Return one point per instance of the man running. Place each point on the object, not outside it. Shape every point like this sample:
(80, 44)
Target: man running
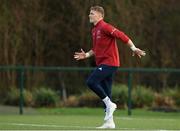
(107, 60)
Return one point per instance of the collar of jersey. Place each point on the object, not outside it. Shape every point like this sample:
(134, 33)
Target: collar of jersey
(101, 21)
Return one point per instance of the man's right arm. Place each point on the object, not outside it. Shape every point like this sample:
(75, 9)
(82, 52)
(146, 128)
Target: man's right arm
(82, 55)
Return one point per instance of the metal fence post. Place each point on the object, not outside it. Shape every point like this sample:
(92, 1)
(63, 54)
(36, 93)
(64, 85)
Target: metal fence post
(129, 91)
(21, 87)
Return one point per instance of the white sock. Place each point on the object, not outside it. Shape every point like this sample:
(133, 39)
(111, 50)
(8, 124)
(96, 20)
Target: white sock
(107, 101)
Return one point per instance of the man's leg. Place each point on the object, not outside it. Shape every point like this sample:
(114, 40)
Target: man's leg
(100, 81)
(107, 86)
(95, 79)
(100, 74)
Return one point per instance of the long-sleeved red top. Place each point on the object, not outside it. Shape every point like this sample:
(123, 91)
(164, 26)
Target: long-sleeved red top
(104, 43)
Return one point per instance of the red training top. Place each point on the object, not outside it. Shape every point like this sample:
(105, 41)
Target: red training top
(104, 43)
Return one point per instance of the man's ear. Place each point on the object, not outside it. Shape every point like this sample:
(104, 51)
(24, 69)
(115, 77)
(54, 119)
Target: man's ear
(100, 15)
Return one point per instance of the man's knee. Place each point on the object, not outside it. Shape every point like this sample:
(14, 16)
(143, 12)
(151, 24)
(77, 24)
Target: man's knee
(90, 83)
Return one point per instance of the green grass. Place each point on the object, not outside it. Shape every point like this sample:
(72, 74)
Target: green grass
(88, 119)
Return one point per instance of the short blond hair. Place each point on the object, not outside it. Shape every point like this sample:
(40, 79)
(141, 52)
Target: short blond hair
(98, 9)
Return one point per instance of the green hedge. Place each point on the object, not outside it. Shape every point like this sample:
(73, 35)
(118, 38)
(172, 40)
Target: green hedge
(42, 96)
(13, 97)
(120, 95)
(88, 98)
(142, 97)
(174, 94)
(45, 97)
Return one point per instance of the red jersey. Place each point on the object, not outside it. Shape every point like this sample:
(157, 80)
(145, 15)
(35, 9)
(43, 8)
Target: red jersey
(104, 43)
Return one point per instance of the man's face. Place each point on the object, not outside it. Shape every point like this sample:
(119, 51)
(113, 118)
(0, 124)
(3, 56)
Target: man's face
(94, 16)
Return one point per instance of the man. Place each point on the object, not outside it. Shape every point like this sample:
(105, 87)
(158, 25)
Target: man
(106, 55)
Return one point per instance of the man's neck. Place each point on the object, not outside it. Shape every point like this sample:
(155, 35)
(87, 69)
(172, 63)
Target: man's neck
(97, 21)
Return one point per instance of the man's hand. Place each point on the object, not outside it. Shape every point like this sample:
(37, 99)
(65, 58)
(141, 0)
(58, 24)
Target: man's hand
(136, 51)
(80, 55)
(139, 52)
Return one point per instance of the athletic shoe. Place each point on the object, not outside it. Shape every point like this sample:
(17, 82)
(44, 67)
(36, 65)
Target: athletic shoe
(109, 111)
(107, 124)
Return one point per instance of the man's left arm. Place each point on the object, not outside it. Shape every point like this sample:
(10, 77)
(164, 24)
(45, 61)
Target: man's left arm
(136, 51)
(110, 30)
(124, 38)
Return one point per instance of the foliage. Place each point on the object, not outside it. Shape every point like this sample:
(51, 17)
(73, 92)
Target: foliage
(120, 95)
(163, 101)
(142, 97)
(28, 98)
(72, 101)
(45, 97)
(13, 97)
(174, 94)
(89, 99)
(47, 33)
(168, 98)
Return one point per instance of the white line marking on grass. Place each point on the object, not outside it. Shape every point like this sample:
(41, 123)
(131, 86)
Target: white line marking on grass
(47, 125)
(60, 126)
(128, 118)
(66, 126)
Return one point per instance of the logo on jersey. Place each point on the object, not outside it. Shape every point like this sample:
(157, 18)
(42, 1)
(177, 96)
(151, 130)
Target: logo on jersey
(98, 34)
(100, 68)
(113, 30)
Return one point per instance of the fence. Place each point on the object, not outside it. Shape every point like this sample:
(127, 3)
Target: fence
(20, 72)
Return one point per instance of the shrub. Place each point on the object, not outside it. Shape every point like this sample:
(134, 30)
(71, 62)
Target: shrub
(176, 98)
(72, 101)
(142, 97)
(120, 95)
(89, 99)
(174, 94)
(28, 98)
(163, 101)
(45, 97)
(13, 97)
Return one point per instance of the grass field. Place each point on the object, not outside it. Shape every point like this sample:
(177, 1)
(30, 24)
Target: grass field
(88, 119)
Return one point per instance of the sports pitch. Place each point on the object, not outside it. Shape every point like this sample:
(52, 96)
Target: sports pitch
(89, 119)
